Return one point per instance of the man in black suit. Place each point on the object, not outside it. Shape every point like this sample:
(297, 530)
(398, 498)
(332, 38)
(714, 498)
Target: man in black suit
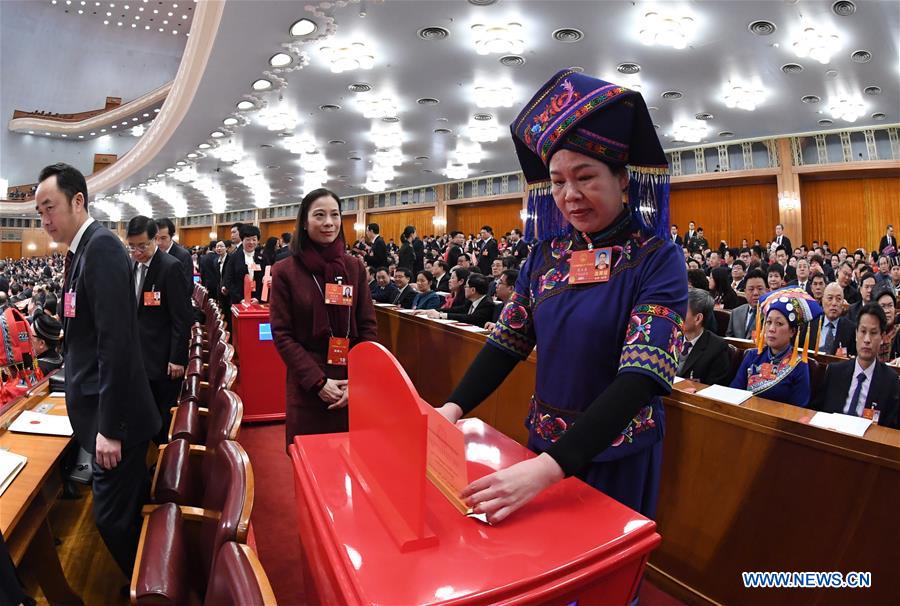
(163, 315)
(455, 248)
(864, 386)
(487, 250)
(478, 308)
(867, 284)
(212, 268)
(285, 251)
(378, 256)
(838, 336)
(518, 248)
(704, 357)
(165, 234)
(419, 250)
(4, 281)
(108, 398)
(206, 263)
(384, 291)
(246, 260)
(405, 291)
(673, 231)
(742, 322)
(781, 239)
(888, 241)
(440, 271)
(690, 235)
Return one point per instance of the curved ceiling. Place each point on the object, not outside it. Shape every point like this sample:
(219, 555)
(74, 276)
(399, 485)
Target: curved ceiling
(422, 64)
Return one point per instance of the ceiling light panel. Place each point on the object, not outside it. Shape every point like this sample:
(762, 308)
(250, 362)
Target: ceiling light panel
(484, 132)
(816, 42)
(690, 132)
(742, 95)
(493, 95)
(353, 56)
(278, 117)
(376, 106)
(666, 28)
(499, 38)
(386, 134)
(303, 27)
(846, 108)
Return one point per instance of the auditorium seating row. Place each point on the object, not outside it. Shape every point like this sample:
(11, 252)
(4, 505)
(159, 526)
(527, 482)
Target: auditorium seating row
(193, 545)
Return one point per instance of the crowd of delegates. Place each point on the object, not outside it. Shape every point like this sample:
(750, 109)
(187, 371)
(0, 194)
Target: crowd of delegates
(840, 303)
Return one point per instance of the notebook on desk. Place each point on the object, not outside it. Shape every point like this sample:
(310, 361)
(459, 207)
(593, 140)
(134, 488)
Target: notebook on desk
(40, 423)
(10, 466)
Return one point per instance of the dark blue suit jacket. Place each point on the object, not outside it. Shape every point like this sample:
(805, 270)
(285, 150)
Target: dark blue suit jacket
(164, 328)
(106, 386)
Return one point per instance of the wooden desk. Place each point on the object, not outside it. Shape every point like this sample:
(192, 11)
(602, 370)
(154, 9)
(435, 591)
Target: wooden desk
(743, 488)
(26, 502)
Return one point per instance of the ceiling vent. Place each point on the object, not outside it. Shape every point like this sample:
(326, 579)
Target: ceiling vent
(879, 116)
(761, 28)
(265, 145)
(568, 34)
(442, 131)
(843, 8)
(703, 116)
(337, 142)
(482, 2)
(354, 158)
(628, 68)
(726, 133)
(861, 56)
(359, 87)
(672, 95)
(427, 101)
(330, 107)
(434, 33)
(512, 61)
(810, 99)
(825, 122)
(872, 91)
(483, 117)
(792, 68)
(390, 119)
(422, 158)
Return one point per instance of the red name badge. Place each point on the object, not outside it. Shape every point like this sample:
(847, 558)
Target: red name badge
(152, 298)
(590, 266)
(69, 305)
(338, 349)
(765, 371)
(872, 414)
(338, 294)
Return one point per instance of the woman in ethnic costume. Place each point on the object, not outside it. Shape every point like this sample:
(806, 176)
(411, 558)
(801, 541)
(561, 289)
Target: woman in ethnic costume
(606, 349)
(775, 370)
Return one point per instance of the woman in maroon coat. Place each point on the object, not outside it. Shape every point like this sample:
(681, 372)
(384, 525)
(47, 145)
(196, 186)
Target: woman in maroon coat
(303, 325)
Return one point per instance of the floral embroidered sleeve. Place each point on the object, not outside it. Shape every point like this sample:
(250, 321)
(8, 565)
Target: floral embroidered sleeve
(514, 331)
(654, 335)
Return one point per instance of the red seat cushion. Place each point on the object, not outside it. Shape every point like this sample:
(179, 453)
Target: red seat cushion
(186, 423)
(162, 577)
(174, 481)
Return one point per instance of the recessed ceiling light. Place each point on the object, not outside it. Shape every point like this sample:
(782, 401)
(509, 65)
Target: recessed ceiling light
(303, 27)
(245, 105)
(217, 134)
(761, 28)
(181, 163)
(280, 60)
(628, 68)
(512, 61)
(568, 34)
(843, 8)
(666, 29)
(434, 33)
(204, 146)
(192, 155)
(230, 121)
(262, 84)
(792, 68)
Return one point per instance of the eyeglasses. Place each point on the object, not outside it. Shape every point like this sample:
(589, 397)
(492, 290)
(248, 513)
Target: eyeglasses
(886, 306)
(141, 247)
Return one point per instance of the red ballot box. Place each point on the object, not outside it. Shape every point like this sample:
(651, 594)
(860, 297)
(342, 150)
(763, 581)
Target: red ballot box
(261, 378)
(570, 545)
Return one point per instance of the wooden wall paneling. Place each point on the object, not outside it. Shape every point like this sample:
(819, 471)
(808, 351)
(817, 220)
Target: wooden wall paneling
(11, 250)
(224, 232)
(502, 216)
(849, 212)
(194, 236)
(391, 223)
(728, 213)
(350, 235)
(275, 229)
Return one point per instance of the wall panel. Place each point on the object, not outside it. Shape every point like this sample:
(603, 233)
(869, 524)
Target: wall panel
(850, 212)
(194, 236)
(11, 250)
(350, 235)
(392, 223)
(275, 229)
(728, 213)
(501, 216)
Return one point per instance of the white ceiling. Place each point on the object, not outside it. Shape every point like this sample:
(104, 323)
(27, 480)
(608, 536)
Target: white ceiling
(408, 68)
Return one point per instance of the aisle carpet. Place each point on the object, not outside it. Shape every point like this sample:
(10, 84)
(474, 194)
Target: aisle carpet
(274, 521)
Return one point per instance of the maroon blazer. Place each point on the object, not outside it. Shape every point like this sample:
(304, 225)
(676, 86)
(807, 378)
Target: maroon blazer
(296, 302)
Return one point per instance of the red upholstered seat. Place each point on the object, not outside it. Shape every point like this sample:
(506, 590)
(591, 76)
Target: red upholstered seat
(223, 516)
(735, 356)
(238, 579)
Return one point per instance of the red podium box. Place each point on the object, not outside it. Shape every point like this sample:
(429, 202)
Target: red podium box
(570, 545)
(262, 375)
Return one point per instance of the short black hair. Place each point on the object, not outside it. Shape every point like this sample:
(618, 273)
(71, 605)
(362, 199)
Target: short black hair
(478, 282)
(405, 271)
(286, 237)
(511, 276)
(238, 225)
(454, 233)
(427, 275)
(739, 262)
(776, 268)
(373, 227)
(782, 248)
(384, 269)
(697, 279)
(867, 276)
(754, 274)
(141, 225)
(443, 265)
(873, 309)
(69, 180)
(248, 230)
(516, 230)
(488, 229)
(166, 222)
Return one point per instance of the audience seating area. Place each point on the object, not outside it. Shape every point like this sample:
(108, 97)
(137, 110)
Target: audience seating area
(193, 545)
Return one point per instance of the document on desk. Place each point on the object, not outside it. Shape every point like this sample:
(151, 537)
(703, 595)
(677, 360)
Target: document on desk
(10, 466)
(44, 424)
(835, 421)
(57, 394)
(729, 395)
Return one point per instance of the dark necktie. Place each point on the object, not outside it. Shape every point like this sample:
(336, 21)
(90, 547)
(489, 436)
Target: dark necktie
(66, 267)
(751, 318)
(854, 401)
(685, 352)
(140, 274)
(828, 347)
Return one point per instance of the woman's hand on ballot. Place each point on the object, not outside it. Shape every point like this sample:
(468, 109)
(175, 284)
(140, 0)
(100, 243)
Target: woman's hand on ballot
(503, 492)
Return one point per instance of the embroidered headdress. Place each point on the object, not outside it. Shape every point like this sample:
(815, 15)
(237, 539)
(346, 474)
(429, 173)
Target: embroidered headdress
(601, 120)
(798, 307)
